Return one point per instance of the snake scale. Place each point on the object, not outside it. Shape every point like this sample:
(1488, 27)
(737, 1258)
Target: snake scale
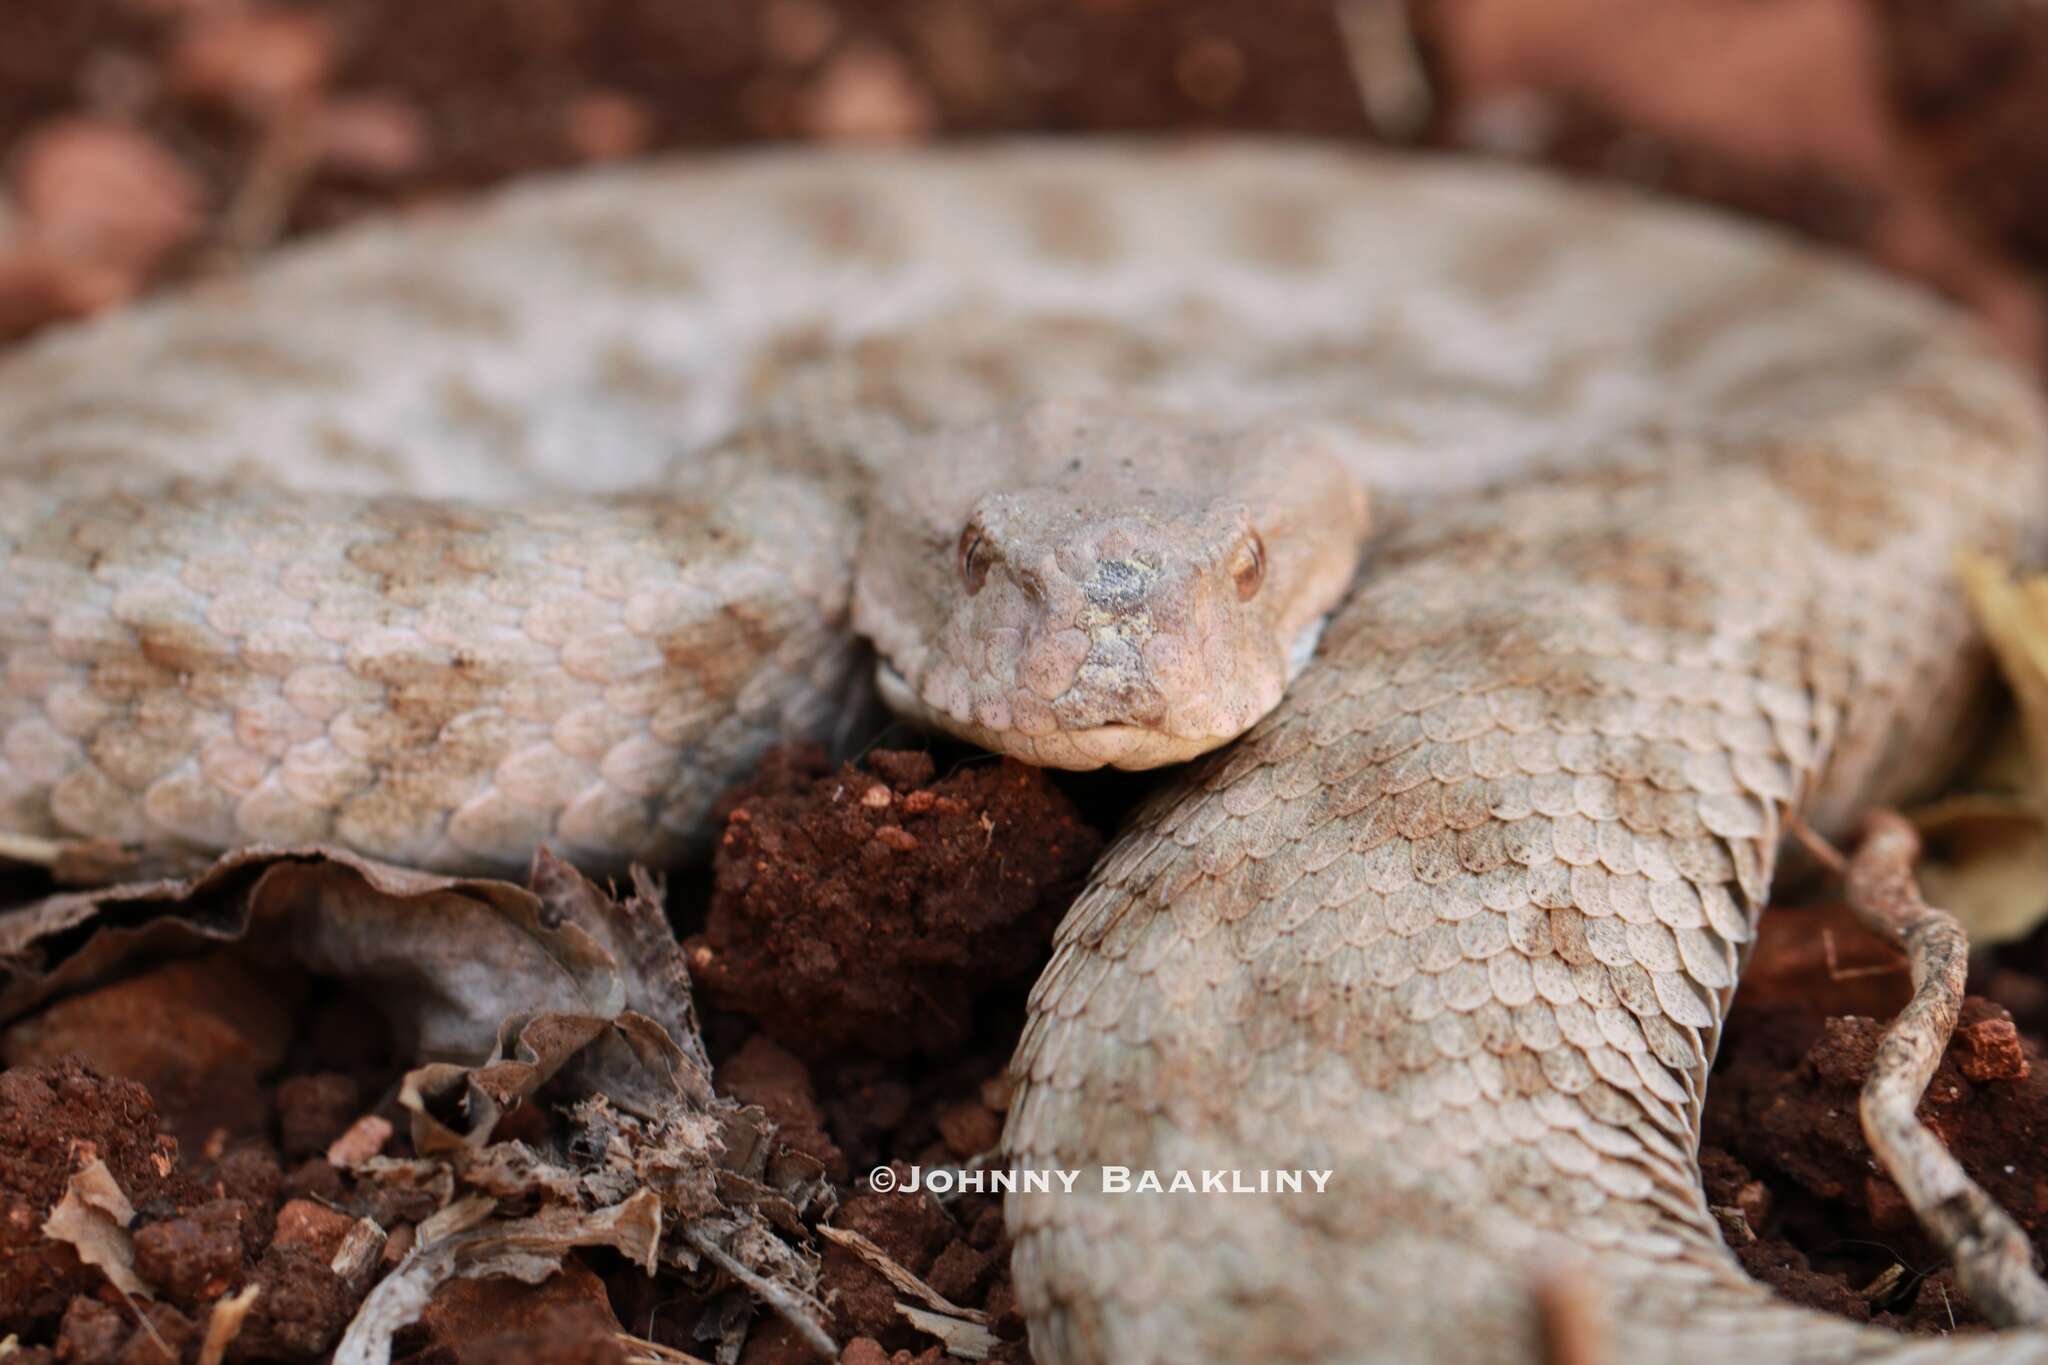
(539, 519)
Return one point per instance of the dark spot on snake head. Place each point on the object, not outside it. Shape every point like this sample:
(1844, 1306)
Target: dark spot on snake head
(1118, 585)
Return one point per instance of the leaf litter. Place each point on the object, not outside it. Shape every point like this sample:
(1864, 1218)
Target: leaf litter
(580, 1003)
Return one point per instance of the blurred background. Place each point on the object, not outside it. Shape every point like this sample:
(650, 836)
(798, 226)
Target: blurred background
(144, 140)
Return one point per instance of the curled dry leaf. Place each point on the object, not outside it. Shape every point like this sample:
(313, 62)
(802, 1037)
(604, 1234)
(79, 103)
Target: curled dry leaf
(447, 958)
(93, 1216)
(528, 1249)
(1992, 869)
(2013, 614)
(1988, 863)
(554, 984)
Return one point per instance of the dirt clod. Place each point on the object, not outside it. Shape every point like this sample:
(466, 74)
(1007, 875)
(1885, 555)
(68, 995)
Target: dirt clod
(314, 1226)
(969, 1129)
(911, 1229)
(844, 925)
(1783, 1143)
(1988, 1047)
(959, 1272)
(301, 1310)
(563, 1320)
(54, 1120)
(195, 1257)
(91, 1331)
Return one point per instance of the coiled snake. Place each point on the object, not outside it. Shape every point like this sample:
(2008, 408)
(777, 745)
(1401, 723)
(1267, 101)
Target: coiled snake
(540, 520)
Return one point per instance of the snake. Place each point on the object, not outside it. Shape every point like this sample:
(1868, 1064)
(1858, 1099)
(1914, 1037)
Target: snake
(1496, 566)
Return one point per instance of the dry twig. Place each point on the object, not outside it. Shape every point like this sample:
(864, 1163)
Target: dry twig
(898, 1275)
(224, 1323)
(1993, 1259)
(798, 1312)
(1386, 66)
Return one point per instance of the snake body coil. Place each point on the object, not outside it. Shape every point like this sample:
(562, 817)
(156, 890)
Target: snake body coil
(540, 521)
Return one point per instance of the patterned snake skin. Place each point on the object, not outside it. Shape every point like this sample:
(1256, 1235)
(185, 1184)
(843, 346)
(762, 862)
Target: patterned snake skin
(1668, 511)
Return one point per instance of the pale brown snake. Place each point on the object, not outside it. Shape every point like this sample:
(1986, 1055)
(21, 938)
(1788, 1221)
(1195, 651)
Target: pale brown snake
(1666, 509)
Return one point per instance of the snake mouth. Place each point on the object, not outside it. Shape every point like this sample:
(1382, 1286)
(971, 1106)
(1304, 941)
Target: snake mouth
(1123, 745)
(1132, 748)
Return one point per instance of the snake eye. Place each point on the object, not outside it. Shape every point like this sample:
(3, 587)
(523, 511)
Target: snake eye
(974, 554)
(1249, 567)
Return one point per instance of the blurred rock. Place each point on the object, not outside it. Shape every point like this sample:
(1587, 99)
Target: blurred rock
(185, 1019)
(868, 93)
(606, 125)
(255, 63)
(106, 196)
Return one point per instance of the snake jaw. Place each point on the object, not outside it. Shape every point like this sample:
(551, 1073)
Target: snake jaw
(1132, 748)
(1126, 746)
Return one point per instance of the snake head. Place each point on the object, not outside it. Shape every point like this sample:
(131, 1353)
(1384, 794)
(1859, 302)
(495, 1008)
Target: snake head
(1090, 584)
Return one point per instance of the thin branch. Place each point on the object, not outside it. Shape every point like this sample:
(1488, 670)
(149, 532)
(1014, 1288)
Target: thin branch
(1386, 66)
(1993, 1259)
(794, 1310)
(1817, 846)
(905, 1282)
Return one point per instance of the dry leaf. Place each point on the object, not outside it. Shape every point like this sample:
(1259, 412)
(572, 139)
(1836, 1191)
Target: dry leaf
(1988, 848)
(2013, 614)
(507, 989)
(528, 1249)
(968, 1340)
(447, 958)
(1987, 864)
(93, 1216)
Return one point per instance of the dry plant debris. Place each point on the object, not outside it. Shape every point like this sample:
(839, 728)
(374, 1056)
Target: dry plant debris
(866, 908)
(1989, 860)
(593, 1059)
(1993, 1258)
